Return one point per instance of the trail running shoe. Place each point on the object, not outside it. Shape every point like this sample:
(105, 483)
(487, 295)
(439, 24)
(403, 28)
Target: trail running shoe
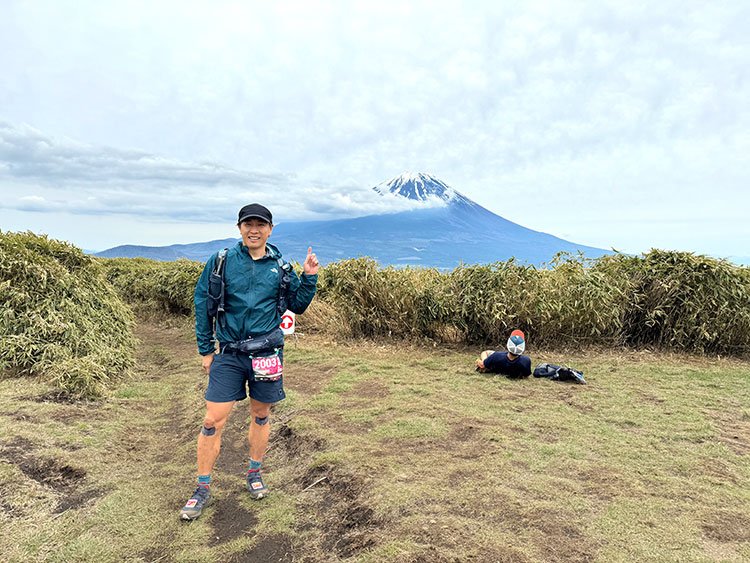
(196, 503)
(255, 485)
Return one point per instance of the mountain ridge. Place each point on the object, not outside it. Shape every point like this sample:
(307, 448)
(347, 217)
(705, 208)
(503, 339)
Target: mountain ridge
(448, 230)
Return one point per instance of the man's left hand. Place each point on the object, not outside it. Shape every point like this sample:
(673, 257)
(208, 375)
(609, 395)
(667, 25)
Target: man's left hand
(310, 265)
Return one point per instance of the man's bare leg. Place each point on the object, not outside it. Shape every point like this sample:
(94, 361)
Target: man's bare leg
(209, 439)
(258, 434)
(209, 445)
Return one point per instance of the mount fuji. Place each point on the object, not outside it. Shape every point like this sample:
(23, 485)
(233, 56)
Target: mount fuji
(444, 229)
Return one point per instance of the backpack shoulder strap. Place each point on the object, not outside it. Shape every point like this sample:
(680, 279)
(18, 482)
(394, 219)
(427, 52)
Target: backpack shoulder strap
(285, 280)
(217, 287)
(220, 257)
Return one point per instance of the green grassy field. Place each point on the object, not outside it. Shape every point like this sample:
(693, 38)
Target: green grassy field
(386, 452)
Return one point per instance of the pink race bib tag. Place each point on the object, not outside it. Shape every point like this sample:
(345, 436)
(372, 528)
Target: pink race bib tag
(267, 368)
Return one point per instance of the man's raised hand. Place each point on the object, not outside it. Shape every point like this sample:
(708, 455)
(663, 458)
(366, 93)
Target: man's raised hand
(311, 264)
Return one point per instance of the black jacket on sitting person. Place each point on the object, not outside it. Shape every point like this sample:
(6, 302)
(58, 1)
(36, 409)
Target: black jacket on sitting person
(498, 362)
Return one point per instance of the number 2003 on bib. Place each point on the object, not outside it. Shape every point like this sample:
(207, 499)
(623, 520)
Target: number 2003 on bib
(268, 368)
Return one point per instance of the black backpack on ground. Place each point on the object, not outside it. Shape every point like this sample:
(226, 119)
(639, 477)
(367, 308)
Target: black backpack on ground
(217, 287)
(559, 373)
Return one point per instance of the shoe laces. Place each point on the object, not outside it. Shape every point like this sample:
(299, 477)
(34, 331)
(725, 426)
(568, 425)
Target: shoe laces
(254, 476)
(201, 493)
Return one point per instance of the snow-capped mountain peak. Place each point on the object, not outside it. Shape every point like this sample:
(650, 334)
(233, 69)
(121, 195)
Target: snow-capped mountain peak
(422, 222)
(418, 187)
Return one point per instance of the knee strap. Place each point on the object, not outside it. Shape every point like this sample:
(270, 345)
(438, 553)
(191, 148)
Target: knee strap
(206, 431)
(261, 421)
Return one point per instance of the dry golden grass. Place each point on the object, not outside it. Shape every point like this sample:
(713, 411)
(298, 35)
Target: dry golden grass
(665, 300)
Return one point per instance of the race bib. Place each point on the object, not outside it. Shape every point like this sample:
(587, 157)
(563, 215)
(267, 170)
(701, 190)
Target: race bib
(267, 368)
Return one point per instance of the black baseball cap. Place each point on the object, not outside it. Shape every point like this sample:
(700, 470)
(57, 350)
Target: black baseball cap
(254, 210)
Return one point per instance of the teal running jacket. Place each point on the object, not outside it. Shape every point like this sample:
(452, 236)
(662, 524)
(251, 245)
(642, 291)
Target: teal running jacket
(252, 291)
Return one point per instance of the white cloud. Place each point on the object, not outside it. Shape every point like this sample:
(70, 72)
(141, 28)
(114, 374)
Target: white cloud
(586, 106)
(60, 175)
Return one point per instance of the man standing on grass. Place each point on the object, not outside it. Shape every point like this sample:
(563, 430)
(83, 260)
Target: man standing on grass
(250, 342)
(512, 363)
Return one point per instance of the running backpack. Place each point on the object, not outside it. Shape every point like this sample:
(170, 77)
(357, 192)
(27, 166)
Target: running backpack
(217, 287)
(559, 373)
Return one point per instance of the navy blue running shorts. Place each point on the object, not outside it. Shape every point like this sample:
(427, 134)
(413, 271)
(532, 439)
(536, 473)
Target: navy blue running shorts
(231, 379)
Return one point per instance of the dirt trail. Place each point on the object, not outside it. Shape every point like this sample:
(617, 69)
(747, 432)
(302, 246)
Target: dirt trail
(333, 520)
(169, 350)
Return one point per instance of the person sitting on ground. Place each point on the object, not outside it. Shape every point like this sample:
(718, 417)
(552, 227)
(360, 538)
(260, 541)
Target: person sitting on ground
(511, 363)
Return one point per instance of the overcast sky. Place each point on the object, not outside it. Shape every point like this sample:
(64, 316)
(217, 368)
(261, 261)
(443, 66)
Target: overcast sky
(613, 124)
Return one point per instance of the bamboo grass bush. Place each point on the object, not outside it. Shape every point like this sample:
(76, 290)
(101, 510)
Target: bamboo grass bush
(673, 300)
(689, 302)
(161, 286)
(60, 319)
(579, 300)
(483, 302)
(380, 302)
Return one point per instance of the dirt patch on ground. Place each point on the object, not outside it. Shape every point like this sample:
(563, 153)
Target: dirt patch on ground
(736, 436)
(720, 470)
(230, 520)
(78, 499)
(602, 483)
(466, 441)
(180, 426)
(156, 554)
(727, 526)
(558, 536)
(22, 416)
(270, 549)
(335, 501)
(433, 554)
(352, 524)
(49, 472)
(464, 432)
(293, 445)
(564, 542)
(65, 480)
(235, 450)
(335, 513)
(8, 509)
(344, 521)
(166, 339)
(167, 350)
(63, 397)
(346, 426)
(308, 379)
(369, 389)
(573, 399)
